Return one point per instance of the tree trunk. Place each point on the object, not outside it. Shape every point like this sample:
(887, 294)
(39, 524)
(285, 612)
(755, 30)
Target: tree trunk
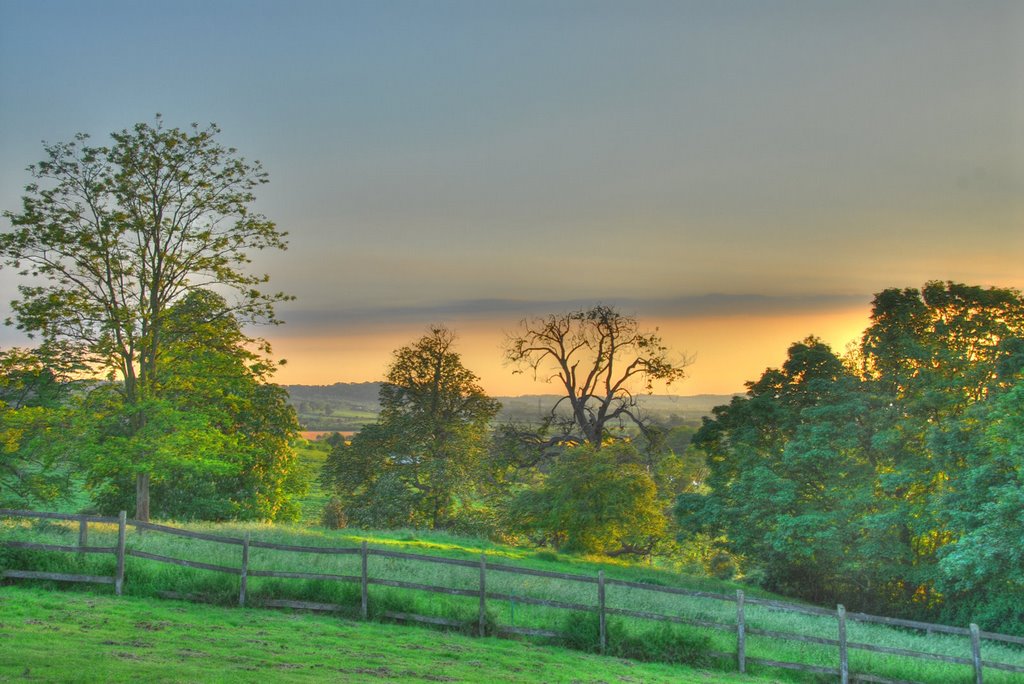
(142, 497)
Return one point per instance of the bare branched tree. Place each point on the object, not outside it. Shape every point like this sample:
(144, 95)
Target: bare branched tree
(601, 359)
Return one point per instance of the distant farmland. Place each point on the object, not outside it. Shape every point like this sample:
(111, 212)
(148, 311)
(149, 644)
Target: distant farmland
(346, 407)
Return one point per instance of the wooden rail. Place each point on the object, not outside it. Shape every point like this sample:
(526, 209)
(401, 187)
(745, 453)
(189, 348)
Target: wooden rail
(117, 579)
(740, 627)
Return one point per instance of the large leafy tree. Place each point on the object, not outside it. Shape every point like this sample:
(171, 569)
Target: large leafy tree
(601, 360)
(419, 464)
(935, 357)
(982, 569)
(568, 492)
(110, 237)
(217, 442)
(939, 349)
(787, 467)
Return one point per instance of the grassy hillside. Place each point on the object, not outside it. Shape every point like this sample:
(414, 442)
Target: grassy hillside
(130, 648)
(147, 578)
(127, 639)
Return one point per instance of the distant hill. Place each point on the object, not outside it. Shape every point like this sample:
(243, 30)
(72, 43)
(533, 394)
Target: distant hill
(348, 406)
(342, 406)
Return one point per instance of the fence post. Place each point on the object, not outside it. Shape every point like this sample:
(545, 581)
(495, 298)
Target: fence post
(122, 521)
(741, 633)
(483, 594)
(365, 592)
(844, 656)
(600, 611)
(83, 535)
(976, 652)
(244, 578)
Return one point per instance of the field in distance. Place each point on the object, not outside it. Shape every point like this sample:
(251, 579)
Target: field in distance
(346, 406)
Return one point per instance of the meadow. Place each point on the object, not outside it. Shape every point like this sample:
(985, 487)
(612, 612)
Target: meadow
(310, 457)
(349, 406)
(130, 639)
(627, 636)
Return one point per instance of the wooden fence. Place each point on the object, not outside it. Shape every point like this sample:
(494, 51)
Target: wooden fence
(740, 627)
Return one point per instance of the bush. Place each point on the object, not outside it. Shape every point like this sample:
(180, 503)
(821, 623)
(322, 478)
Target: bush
(472, 626)
(581, 632)
(334, 516)
(664, 644)
(721, 565)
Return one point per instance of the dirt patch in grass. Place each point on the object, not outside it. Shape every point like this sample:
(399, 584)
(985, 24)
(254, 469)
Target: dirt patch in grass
(126, 656)
(135, 643)
(152, 626)
(376, 671)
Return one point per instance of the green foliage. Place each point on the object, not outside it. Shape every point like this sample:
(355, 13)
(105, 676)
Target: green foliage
(581, 632)
(112, 238)
(334, 517)
(593, 501)
(557, 494)
(419, 465)
(34, 392)
(982, 568)
(781, 472)
(892, 483)
(216, 444)
(662, 643)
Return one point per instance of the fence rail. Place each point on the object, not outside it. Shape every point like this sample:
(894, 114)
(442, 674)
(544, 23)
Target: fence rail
(365, 580)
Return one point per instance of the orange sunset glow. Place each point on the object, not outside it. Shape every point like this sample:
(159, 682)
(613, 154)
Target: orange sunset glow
(726, 351)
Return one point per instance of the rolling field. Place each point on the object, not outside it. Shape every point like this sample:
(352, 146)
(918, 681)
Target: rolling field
(55, 636)
(140, 636)
(146, 579)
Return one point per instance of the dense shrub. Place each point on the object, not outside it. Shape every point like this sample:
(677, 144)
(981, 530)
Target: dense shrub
(334, 516)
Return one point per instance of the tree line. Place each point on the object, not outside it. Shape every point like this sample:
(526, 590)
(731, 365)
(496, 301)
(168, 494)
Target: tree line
(599, 478)
(888, 478)
(891, 477)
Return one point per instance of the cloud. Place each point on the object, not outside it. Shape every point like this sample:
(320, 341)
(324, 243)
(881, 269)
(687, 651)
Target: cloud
(684, 307)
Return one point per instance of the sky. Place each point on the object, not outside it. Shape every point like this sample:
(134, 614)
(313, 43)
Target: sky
(737, 174)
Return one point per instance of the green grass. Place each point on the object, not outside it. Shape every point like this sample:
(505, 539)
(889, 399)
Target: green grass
(339, 419)
(146, 578)
(52, 636)
(311, 457)
(628, 637)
